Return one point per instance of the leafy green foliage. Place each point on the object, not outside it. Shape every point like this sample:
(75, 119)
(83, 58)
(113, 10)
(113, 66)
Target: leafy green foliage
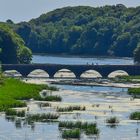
(107, 30)
(12, 48)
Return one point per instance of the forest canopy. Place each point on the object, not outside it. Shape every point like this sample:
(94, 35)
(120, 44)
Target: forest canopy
(12, 47)
(108, 30)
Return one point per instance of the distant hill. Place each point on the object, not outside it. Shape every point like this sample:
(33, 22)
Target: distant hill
(108, 30)
(12, 47)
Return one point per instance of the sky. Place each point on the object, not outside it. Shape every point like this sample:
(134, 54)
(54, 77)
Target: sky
(24, 10)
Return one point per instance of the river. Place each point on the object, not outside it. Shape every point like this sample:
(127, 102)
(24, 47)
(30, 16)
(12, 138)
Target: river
(80, 60)
(89, 96)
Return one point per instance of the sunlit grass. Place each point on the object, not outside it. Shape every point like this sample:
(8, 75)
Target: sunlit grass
(13, 92)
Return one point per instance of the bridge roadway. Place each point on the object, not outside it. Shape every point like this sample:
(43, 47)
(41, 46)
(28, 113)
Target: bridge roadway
(78, 70)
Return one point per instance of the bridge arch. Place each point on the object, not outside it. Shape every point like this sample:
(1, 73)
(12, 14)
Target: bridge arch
(90, 74)
(118, 73)
(38, 73)
(64, 73)
(12, 73)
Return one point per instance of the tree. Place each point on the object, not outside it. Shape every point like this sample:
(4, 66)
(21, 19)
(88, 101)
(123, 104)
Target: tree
(24, 56)
(137, 54)
(108, 30)
(12, 47)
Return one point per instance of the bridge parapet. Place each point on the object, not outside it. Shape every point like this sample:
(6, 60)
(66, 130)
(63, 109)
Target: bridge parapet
(78, 70)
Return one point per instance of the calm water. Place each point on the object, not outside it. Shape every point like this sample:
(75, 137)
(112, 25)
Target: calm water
(80, 60)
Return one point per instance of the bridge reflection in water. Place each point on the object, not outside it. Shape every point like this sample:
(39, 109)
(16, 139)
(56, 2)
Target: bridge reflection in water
(76, 70)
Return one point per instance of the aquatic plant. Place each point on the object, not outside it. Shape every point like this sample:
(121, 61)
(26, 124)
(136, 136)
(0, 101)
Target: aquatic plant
(135, 92)
(71, 108)
(88, 128)
(112, 120)
(41, 117)
(51, 98)
(71, 134)
(135, 116)
(44, 105)
(12, 112)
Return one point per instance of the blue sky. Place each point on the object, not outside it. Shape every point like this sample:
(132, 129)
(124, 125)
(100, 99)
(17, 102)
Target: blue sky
(24, 10)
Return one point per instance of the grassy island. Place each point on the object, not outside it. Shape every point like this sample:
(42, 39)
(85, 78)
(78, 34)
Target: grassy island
(13, 93)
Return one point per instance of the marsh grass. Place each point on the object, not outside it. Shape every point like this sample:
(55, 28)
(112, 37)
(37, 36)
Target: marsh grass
(51, 98)
(44, 105)
(12, 112)
(42, 117)
(71, 108)
(13, 92)
(129, 79)
(135, 116)
(66, 134)
(88, 128)
(112, 121)
(135, 92)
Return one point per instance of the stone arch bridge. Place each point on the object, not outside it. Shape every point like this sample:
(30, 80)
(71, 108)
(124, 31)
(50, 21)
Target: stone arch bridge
(78, 70)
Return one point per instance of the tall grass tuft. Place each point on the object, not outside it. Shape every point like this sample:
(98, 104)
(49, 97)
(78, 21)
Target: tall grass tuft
(88, 128)
(135, 116)
(66, 134)
(71, 108)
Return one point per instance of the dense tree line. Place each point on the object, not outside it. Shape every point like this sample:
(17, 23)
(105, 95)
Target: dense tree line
(109, 30)
(12, 48)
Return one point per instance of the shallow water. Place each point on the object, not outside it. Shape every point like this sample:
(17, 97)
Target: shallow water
(86, 96)
(89, 96)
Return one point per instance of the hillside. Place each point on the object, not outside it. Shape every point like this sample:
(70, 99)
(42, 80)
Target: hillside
(12, 48)
(108, 30)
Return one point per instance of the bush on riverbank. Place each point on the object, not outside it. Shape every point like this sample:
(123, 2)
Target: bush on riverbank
(13, 90)
(135, 116)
